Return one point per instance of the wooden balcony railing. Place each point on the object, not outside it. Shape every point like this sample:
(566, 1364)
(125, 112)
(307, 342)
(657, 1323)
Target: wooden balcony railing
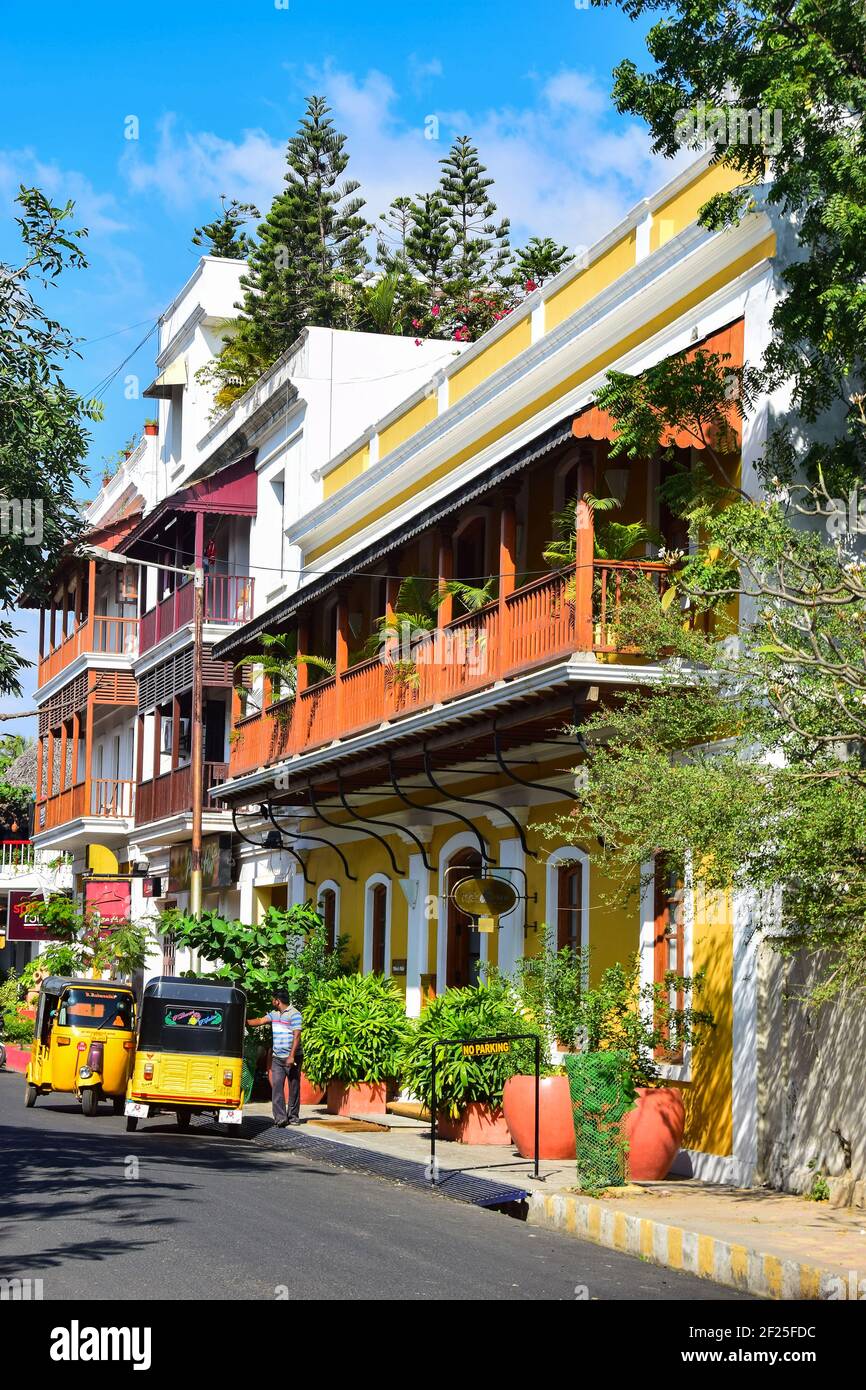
(109, 797)
(535, 626)
(228, 598)
(171, 793)
(100, 635)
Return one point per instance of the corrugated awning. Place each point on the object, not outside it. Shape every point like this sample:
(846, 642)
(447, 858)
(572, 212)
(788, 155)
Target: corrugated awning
(173, 376)
(274, 618)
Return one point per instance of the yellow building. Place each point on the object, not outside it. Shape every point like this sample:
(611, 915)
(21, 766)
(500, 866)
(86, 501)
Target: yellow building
(444, 752)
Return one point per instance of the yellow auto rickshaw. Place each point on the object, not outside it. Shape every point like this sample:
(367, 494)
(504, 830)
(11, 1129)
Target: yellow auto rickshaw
(189, 1058)
(84, 1042)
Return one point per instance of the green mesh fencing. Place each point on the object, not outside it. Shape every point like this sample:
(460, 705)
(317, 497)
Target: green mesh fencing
(601, 1094)
(248, 1071)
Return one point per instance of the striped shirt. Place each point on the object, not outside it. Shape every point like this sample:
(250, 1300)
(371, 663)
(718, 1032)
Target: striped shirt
(284, 1025)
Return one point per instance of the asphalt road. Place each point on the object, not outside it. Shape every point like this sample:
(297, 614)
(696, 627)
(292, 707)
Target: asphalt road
(94, 1211)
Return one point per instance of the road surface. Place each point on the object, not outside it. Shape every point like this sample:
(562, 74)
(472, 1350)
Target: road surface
(93, 1211)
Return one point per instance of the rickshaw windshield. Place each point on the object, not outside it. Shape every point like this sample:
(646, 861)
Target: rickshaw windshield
(90, 1008)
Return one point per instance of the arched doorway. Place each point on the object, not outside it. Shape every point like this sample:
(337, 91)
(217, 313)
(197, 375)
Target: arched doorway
(463, 959)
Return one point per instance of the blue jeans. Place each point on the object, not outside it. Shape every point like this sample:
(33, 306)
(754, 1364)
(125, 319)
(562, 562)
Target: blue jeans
(282, 1071)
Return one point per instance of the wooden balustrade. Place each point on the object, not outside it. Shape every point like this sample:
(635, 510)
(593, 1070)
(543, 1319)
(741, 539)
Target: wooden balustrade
(99, 634)
(110, 797)
(170, 794)
(228, 598)
(540, 626)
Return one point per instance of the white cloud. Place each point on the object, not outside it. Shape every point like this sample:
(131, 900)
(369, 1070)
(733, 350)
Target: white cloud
(564, 163)
(96, 211)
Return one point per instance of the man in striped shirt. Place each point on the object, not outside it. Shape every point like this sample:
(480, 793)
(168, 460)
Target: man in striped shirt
(286, 1024)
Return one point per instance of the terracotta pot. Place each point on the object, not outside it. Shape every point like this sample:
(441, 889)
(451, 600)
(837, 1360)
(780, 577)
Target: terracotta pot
(555, 1121)
(151, 429)
(477, 1124)
(364, 1098)
(310, 1094)
(654, 1132)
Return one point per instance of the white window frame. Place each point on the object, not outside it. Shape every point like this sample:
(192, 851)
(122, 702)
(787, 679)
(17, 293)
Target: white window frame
(566, 854)
(332, 885)
(372, 882)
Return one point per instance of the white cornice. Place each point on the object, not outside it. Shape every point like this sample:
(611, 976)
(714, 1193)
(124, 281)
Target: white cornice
(85, 661)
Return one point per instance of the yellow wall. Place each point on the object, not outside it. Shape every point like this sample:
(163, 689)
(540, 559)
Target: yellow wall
(350, 468)
(596, 277)
(504, 350)
(678, 212)
(408, 424)
(708, 1096)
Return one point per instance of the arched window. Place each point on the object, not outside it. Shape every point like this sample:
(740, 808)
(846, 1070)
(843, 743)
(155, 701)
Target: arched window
(569, 905)
(328, 914)
(377, 925)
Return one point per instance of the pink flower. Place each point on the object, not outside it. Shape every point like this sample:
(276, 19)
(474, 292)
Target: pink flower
(435, 311)
(417, 342)
(416, 323)
(530, 286)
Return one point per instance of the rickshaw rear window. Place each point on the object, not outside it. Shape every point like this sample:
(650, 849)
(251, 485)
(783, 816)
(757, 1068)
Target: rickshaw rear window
(90, 1008)
(185, 1017)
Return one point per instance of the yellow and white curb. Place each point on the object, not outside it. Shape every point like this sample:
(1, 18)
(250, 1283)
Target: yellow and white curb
(725, 1262)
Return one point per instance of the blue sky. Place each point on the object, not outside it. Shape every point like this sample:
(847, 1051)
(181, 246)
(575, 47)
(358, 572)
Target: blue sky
(217, 90)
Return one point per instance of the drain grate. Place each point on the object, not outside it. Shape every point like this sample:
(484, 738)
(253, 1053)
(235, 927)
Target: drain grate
(461, 1187)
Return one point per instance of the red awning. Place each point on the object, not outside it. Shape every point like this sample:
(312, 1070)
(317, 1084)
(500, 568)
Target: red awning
(593, 423)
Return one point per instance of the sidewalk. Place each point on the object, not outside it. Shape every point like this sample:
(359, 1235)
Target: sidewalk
(766, 1243)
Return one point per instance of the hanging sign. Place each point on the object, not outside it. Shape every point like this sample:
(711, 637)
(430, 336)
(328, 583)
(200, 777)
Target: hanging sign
(480, 895)
(108, 900)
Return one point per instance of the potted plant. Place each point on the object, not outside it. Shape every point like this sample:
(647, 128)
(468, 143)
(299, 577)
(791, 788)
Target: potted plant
(468, 1089)
(353, 1032)
(151, 427)
(641, 1021)
(549, 986)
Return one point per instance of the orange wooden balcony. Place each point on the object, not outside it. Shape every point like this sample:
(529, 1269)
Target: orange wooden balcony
(108, 797)
(534, 626)
(99, 635)
(171, 793)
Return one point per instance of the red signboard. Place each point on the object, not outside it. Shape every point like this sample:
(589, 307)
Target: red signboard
(22, 926)
(110, 897)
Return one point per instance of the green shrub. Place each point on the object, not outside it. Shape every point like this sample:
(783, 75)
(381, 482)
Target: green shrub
(486, 1010)
(17, 1029)
(354, 1027)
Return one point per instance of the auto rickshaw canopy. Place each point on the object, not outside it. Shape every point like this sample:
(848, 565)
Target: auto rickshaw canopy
(197, 1017)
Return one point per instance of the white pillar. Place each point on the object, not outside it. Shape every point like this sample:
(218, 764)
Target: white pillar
(745, 1038)
(511, 924)
(416, 950)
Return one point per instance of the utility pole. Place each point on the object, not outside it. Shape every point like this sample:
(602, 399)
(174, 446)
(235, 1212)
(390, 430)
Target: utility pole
(197, 750)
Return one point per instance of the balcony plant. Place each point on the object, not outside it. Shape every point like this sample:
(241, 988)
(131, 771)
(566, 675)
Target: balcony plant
(468, 1090)
(354, 1030)
(279, 661)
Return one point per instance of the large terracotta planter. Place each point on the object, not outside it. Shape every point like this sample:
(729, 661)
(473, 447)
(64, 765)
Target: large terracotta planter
(364, 1098)
(555, 1121)
(477, 1124)
(310, 1094)
(654, 1132)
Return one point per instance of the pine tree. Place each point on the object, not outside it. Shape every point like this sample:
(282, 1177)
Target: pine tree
(223, 236)
(430, 242)
(538, 261)
(481, 246)
(307, 263)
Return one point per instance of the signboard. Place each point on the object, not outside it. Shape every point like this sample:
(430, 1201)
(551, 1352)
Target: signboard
(21, 925)
(486, 1049)
(483, 896)
(108, 899)
(216, 865)
(193, 1018)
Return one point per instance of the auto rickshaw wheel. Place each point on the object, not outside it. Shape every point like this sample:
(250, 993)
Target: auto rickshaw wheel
(30, 1094)
(183, 1119)
(131, 1124)
(90, 1100)
(117, 1104)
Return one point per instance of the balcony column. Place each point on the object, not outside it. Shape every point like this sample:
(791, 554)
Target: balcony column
(392, 645)
(51, 624)
(49, 783)
(584, 555)
(64, 626)
(79, 587)
(507, 579)
(64, 754)
(89, 611)
(88, 751)
(41, 633)
(302, 680)
(76, 746)
(445, 611)
(342, 653)
(40, 759)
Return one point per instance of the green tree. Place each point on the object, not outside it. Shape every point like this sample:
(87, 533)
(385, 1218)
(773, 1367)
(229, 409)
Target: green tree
(538, 261)
(223, 236)
(481, 247)
(15, 800)
(118, 949)
(43, 423)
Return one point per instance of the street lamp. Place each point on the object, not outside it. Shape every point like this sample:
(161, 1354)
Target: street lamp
(97, 552)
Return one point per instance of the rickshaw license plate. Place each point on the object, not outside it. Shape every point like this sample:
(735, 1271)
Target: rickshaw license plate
(135, 1108)
(230, 1117)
